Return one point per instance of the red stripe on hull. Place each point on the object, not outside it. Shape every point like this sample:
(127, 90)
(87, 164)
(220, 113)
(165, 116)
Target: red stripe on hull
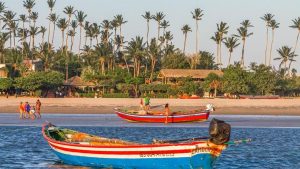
(162, 119)
(122, 152)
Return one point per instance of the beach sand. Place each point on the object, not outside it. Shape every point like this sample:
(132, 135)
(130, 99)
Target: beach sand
(106, 105)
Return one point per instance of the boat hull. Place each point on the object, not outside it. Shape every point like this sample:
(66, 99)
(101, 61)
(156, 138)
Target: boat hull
(200, 161)
(186, 155)
(201, 116)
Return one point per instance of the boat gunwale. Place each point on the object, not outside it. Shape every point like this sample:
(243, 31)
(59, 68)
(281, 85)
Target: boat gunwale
(163, 116)
(51, 140)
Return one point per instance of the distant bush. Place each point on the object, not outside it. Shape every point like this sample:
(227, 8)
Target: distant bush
(87, 95)
(115, 95)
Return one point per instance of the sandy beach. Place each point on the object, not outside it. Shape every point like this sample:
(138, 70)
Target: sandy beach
(106, 105)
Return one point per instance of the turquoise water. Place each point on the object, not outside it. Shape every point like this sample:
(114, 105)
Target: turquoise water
(24, 147)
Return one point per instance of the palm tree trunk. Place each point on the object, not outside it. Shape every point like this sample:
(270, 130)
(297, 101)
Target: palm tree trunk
(220, 53)
(230, 53)
(218, 62)
(147, 33)
(10, 41)
(53, 33)
(63, 39)
(72, 43)
(243, 52)
(271, 48)
(43, 38)
(184, 44)
(197, 36)
(152, 68)
(49, 32)
(158, 30)
(124, 57)
(79, 45)
(267, 43)
(297, 41)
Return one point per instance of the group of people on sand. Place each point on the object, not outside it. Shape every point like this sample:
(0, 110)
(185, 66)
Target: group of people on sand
(28, 111)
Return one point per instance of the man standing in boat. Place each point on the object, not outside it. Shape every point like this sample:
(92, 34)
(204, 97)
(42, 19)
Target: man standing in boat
(167, 112)
(147, 103)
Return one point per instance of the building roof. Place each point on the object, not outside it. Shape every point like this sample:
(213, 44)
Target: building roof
(193, 73)
(77, 81)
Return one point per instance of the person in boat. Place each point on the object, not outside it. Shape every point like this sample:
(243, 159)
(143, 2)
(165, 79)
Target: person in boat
(38, 105)
(167, 112)
(32, 113)
(21, 110)
(142, 104)
(147, 103)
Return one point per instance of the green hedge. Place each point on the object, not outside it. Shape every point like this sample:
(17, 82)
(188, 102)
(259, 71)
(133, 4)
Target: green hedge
(115, 95)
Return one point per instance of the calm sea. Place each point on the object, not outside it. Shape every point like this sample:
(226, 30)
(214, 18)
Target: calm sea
(274, 148)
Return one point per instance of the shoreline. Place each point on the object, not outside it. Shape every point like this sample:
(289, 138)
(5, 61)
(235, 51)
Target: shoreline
(285, 107)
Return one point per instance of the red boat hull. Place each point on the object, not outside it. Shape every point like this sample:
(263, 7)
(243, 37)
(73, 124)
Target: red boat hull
(199, 116)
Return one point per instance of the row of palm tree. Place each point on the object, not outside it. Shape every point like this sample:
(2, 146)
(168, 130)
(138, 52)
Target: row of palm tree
(107, 38)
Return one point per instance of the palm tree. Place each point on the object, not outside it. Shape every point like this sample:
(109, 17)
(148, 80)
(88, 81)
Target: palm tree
(34, 16)
(62, 24)
(136, 49)
(296, 25)
(43, 31)
(267, 18)
(148, 17)
(51, 4)
(185, 29)
(96, 31)
(222, 30)
(72, 32)
(244, 34)
(23, 19)
(29, 4)
(274, 25)
(69, 10)
(120, 20)
(46, 54)
(114, 24)
(2, 10)
(168, 37)
(218, 40)
(3, 38)
(33, 31)
(197, 15)
(286, 54)
(9, 20)
(158, 17)
(53, 18)
(154, 53)
(80, 16)
(106, 26)
(231, 43)
(164, 24)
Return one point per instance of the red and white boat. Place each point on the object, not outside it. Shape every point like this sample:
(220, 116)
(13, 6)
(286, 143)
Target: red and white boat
(160, 117)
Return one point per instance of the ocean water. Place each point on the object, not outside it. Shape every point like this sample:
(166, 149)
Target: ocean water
(22, 145)
(270, 148)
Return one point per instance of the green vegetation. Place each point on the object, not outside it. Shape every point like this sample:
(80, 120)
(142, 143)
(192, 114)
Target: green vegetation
(120, 68)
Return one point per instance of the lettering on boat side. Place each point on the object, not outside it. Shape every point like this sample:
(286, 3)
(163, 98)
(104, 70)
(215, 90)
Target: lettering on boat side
(206, 150)
(156, 155)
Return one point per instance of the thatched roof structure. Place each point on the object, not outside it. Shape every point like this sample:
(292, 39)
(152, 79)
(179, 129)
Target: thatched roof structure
(193, 73)
(76, 81)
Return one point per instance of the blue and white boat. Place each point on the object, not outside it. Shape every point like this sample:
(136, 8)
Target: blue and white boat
(77, 148)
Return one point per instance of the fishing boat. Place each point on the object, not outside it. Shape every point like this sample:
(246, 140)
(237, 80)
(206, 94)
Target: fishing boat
(160, 117)
(77, 148)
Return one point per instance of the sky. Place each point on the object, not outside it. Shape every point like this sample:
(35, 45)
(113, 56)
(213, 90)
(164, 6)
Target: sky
(178, 13)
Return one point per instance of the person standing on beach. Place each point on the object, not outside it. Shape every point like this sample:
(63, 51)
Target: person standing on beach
(38, 105)
(21, 110)
(27, 109)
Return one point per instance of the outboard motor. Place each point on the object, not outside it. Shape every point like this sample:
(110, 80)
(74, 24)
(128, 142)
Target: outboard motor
(219, 131)
(210, 107)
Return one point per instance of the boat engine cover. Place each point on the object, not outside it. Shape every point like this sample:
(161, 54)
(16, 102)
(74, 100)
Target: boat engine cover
(219, 131)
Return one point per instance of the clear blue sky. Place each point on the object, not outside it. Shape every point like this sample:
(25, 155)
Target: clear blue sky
(178, 13)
